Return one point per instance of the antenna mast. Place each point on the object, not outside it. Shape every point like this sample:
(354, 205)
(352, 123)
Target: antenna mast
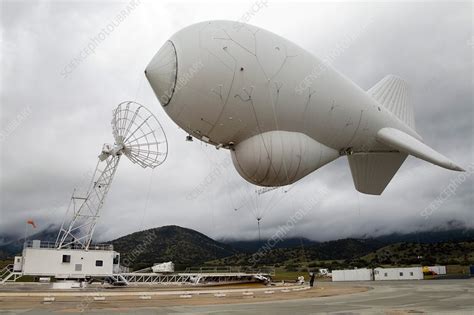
(140, 137)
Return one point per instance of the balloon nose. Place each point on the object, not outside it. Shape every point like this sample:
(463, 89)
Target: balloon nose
(162, 73)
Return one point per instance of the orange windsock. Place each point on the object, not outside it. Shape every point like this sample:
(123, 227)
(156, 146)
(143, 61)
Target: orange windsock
(32, 223)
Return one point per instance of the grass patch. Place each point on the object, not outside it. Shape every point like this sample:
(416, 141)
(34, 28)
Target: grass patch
(289, 275)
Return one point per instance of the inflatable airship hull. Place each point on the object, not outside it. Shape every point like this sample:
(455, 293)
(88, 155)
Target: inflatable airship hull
(281, 111)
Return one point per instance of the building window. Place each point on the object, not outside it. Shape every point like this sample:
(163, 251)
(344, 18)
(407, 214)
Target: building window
(401, 274)
(78, 267)
(99, 263)
(116, 260)
(66, 258)
(385, 274)
(411, 274)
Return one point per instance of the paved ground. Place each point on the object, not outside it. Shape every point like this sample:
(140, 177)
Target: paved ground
(395, 297)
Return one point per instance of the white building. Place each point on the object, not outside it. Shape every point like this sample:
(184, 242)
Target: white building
(163, 267)
(410, 273)
(44, 259)
(362, 274)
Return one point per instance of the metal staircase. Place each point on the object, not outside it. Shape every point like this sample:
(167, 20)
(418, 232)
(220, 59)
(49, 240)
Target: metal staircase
(8, 275)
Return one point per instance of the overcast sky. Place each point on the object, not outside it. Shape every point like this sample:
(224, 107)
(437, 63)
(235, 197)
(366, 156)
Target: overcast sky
(53, 124)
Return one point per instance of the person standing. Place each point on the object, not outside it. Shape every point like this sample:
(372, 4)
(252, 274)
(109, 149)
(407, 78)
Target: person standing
(311, 279)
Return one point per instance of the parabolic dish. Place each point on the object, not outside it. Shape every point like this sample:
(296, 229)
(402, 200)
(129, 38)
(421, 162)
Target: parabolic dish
(140, 134)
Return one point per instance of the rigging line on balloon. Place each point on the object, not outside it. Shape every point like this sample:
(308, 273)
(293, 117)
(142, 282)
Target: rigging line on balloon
(292, 186)
(278, 128)
(274, 200)
(257, 210)
(210, 200)
(140, 84)
(260, 132)
(259, 235)
(305, 258)
(147, 199)
(211, 163)
(243, 195)
(234, 189)
(250, 195)
(228, 184)
(252, 198)
(279, 197)
(358, 202)
(224, 105)
(249, 191)
(269, 204)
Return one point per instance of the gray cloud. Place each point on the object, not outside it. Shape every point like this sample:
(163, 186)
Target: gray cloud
(51, 150)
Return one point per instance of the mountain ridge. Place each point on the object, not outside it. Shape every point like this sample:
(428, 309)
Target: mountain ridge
(187, 247)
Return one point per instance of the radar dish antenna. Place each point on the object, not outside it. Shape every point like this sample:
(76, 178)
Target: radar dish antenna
(139, 136)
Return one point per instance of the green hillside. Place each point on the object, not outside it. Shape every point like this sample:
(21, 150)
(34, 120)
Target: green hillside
(349, 253)
(293, 258)
(185, 247)
(443, 253)
(189, 248)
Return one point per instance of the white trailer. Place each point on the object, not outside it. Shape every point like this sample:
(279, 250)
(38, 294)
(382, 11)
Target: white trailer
(362, 274)
(163, 267)
(410, 273)
(44, 259)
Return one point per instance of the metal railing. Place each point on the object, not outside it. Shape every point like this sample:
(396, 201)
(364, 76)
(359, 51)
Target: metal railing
(268, 270)
(7, 274)
(43, 244)
(5, 271)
